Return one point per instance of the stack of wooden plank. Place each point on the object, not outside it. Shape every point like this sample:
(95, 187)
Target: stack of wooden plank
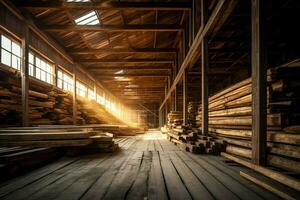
(82, 137)
(188, 139)
(230, 118)
(175, 118)
(47, 104)
(192, 113)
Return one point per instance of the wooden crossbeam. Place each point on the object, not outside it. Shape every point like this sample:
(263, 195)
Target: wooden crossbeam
(122, 51)
(167, 6)
(95, 68)
(193, 53)
(132, 75)
(97, 28)
(118, 61)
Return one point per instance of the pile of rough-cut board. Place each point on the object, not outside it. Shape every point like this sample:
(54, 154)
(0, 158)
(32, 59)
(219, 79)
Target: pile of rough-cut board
(192, 113)
(47, 104)
(230, 118)
(88, 138)
(175, 118)
(189, 139)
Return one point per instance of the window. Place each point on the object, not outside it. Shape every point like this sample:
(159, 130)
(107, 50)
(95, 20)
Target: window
(100, 99)
(40, 68)
(64, 81)
(90, 18)
(81, 89)
(10, 53)
(91, 94)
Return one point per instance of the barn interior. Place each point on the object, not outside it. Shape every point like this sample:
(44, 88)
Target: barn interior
(144, 99)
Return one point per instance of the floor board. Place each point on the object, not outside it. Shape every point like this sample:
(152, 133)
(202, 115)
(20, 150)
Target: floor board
(146, 167)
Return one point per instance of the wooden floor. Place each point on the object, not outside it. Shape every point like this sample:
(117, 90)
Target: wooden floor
(147, 167)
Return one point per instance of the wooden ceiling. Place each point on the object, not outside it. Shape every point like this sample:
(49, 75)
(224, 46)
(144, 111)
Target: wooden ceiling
(131, 52)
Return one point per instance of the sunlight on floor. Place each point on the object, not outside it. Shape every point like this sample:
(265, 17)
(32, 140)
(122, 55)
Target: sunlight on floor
(154, 135)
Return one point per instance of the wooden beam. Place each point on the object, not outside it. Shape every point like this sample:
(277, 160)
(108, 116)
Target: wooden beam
(97, 28)
(122, 50)
(161, 61)
(193, 53)
(259, 76)
(185, 97)
(204, 70)
(25, 76)
(74, 98)
(167, 6)
(93, 68)
(131, 75)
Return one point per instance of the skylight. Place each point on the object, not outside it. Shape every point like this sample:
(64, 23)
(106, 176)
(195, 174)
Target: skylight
(88, 19)
(78, 1)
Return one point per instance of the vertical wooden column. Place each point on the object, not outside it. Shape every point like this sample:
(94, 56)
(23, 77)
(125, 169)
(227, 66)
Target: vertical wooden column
(259, 76)
(185, 97)
(204, 69)
(74, 98)
(176, 90)
(25, 76)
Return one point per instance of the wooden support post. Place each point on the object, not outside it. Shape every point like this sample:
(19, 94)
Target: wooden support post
(185, 97)
(259, 76)
(25, 76)
(204, 69)
(74, 98)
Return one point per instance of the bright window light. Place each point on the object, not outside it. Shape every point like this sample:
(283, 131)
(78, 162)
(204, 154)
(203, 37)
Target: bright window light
(119, 77)
(88, 19)
(120, 72)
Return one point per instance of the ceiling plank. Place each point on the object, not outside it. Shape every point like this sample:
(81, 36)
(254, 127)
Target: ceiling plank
(161, 61)
(167, 6)
(121, 51)
(94, 28)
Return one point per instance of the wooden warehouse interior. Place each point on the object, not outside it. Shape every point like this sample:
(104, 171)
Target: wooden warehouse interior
(144, 99)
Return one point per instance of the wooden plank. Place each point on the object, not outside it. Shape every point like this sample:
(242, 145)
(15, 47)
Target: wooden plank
(156, 184)
(286, 180)
(259, 87)
(233, 171)
(19, 137)
(195, 187)
(204, 70)
(211, 182)
(122, 28)
(21, 182)
(25, 76)
(167, 6)
(46, 143)
(238, 189)
(125, 178)
(139, 189)
(176, 188)
(123, 51)
(283, 192)
(74, 97)
(100, 187)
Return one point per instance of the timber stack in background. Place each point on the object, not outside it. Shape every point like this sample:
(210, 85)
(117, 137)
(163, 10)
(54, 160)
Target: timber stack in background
(230, 118)
(49, 105)
(190, 139)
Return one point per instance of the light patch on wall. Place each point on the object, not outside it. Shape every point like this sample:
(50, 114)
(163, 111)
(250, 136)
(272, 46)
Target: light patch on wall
(120, 72)
(90, 18)
(78, 1)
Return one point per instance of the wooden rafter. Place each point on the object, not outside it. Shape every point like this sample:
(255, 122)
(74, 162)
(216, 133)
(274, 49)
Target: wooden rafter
(144, 27)
(167, 6)
(122, 51)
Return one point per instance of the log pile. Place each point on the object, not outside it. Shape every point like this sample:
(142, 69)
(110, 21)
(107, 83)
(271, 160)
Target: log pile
(48, 105)
(230, 118)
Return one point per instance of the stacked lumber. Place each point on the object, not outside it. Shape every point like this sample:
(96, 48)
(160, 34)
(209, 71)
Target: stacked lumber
(17, 160)
(192, 113)
(175, 118)
(87, 138)
(188, 139)
(48, 105)
(230, 118)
